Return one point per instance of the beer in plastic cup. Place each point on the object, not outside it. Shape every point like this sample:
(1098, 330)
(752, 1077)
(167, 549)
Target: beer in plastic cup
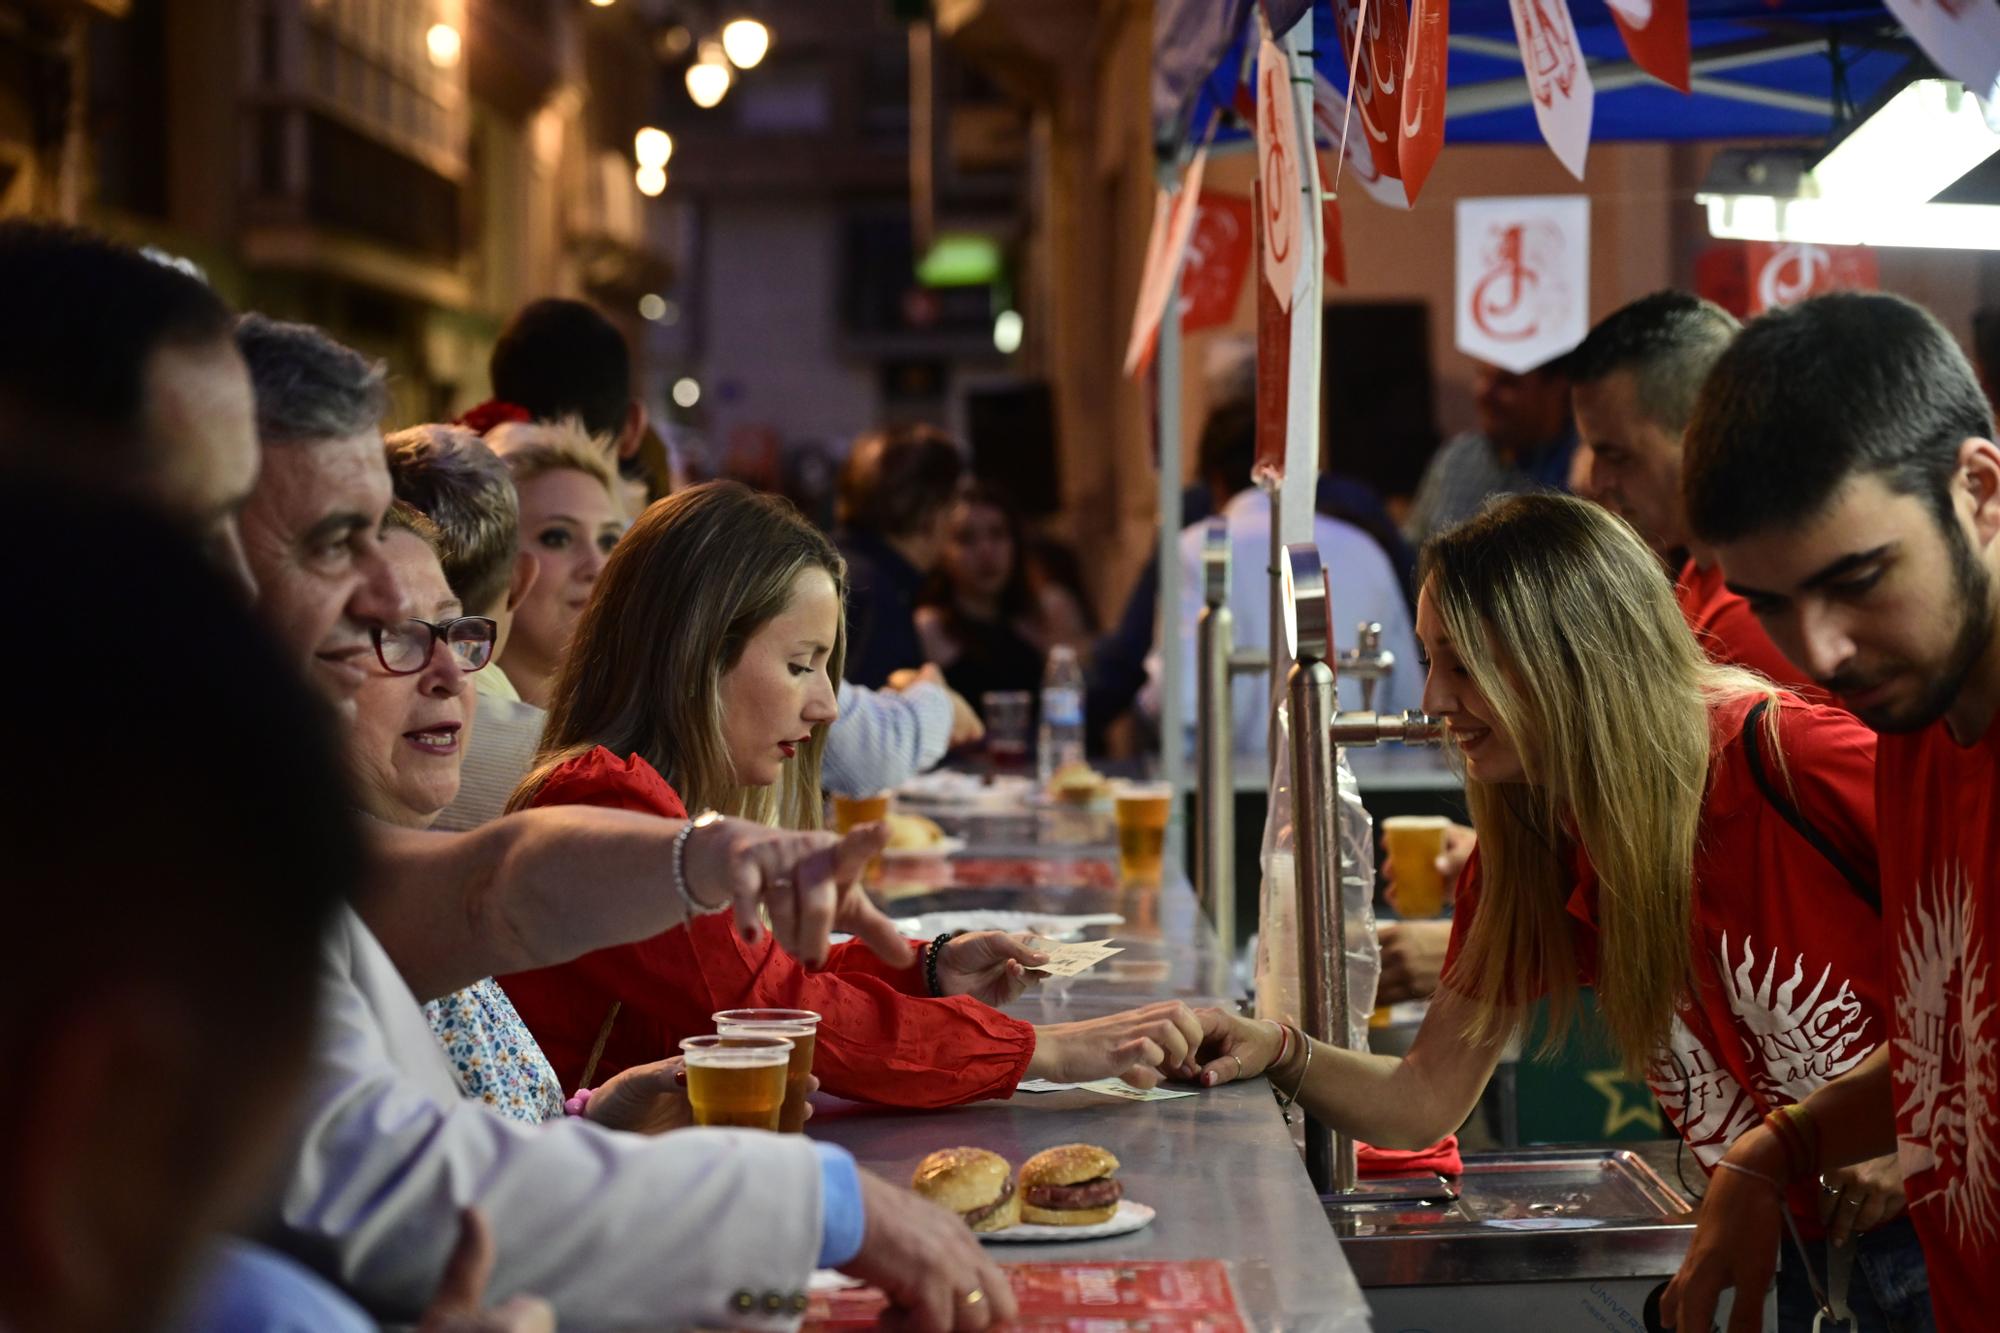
(737, 1081)
(1142, 810)
(851, 812)
(798, 1026)
(1009, 716)
(1415, 842)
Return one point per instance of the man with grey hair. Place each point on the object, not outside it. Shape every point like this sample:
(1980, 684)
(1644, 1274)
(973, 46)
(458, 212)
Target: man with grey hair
(1634, 381)
(703, 1227)
(449, 474)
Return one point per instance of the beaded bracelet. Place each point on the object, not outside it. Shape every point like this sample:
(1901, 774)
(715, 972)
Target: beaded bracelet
(1798, 1134)
(931, 962)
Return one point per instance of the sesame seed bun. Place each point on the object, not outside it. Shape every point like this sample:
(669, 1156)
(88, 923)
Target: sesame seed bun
(1071, 1164)
(962, 1179)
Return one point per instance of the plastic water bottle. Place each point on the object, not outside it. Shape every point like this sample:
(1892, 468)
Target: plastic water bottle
(1060, 740)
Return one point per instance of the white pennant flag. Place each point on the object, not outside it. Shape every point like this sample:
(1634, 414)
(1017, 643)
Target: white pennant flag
(1558, 78)
(1287, 230)
(1962, 36)
(1523, 290)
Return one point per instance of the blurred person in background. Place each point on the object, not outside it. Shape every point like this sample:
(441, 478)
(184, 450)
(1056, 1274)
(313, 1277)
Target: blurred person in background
(977, 618)
(1364, 585)
(897, 490)
(1524, 443)
(569, 520)
(448, 474)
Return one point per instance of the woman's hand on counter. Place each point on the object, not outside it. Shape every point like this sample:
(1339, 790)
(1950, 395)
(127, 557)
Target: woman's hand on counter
(1234, 1047)
(988, 965)
(1141, 1046)
(1735, 1239)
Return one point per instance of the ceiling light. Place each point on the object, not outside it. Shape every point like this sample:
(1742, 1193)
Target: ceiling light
(745, 41)
(1920, 141)
(1007, 332)
(1759, 217)
(652, 181)
(686, 392)
(652, 147)
(443, 44)
(652, 305)
(707, 82)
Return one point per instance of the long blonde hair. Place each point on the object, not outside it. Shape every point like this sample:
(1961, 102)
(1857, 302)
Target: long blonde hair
(680, 597)
(1570, 629)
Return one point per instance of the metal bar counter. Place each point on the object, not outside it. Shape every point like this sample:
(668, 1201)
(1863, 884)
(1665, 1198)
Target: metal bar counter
(1220, 1168)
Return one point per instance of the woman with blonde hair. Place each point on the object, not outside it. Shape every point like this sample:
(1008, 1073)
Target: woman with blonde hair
(702, 677)
(571, 517)
(1686, 838)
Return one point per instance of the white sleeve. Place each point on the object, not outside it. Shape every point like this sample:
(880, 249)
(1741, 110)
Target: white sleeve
(710, 1228)
(882, 738)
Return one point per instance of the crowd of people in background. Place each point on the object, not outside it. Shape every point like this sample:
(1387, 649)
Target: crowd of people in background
(447, 779)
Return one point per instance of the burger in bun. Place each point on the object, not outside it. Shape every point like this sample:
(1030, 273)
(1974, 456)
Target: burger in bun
(976, 1184)
(1070, 1186)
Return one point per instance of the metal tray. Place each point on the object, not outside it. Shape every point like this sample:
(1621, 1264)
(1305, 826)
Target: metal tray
(1530, 1216)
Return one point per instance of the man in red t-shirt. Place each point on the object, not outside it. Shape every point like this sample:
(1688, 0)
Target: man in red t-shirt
(1634, 382)
(1841, 463)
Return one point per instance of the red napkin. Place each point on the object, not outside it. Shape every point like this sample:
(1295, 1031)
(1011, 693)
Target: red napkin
(1441, 1157)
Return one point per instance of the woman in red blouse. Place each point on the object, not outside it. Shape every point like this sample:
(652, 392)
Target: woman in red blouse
(702, 676)
(1693, 842)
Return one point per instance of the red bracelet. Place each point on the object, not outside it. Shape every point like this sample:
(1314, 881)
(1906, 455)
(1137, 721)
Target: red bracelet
(1284, 1043)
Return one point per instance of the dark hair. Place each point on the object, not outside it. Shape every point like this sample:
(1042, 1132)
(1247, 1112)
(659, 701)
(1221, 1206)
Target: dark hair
(1668, 340)
(1810, 395)
(84, 317)
(1228, 449)
(216, 884)
(309, 387)
(561, 358)
(449, 474)
(1016, 598)
(896, 481)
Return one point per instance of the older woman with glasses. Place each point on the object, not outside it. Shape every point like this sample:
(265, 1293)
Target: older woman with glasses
(411, 728)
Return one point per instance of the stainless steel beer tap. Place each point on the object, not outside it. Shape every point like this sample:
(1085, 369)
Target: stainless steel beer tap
(1217, 662)
(1318, 727)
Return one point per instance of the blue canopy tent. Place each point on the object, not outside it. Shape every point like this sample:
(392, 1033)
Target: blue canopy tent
(1793, 69)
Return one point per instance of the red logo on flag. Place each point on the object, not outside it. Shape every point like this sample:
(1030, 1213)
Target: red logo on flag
(1786, 274)
(1552, 60)
(1511, 298)
(1218, 256)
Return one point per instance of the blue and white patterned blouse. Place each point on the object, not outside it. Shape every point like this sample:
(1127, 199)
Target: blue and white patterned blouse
(493, 1056)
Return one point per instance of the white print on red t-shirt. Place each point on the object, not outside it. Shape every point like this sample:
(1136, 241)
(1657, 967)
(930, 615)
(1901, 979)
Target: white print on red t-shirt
(1947, 1065)
(1794, 1043)
(1703, 1099)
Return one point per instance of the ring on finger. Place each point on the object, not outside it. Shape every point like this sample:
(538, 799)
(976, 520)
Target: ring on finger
(1239, 1063)
(973, 1297)
(1825, 1188)
(1852, 1201)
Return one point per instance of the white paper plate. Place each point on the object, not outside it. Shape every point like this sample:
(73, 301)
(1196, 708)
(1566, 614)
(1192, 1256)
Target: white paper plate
(949, 788)
(1129, 1217)
(936, 851)
(1053, 926)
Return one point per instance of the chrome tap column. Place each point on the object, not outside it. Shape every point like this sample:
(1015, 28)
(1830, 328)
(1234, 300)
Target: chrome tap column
(1318, 727)
(1216, 661)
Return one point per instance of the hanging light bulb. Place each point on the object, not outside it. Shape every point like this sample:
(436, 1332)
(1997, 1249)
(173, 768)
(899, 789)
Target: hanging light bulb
(745, 41)
(442, 41)
(652, 181)
(652, 147)
(708, 77)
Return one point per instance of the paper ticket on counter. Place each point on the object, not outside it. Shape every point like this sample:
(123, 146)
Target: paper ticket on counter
(1118, 1087)
(1068, 960)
